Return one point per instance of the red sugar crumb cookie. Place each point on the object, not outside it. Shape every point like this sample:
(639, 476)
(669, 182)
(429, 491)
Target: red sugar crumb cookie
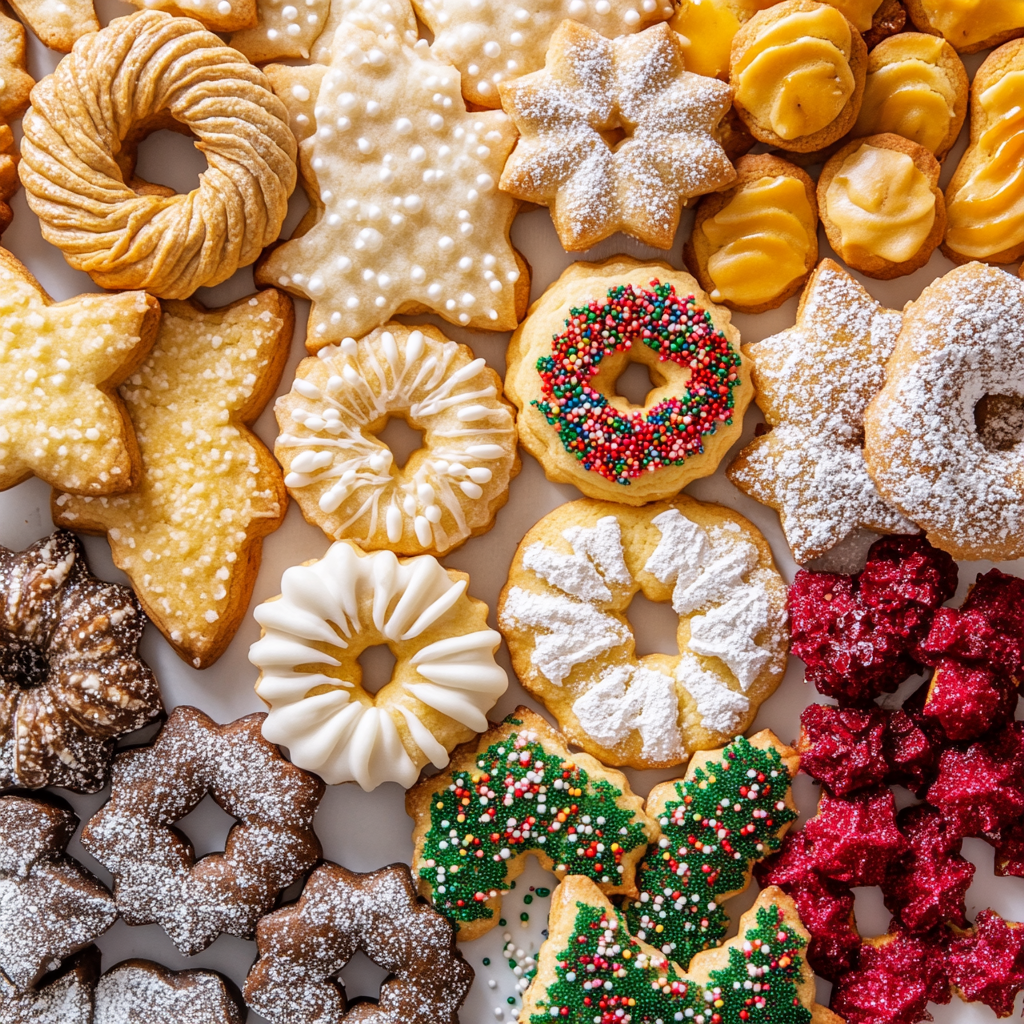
(987, 964)
(843, 747)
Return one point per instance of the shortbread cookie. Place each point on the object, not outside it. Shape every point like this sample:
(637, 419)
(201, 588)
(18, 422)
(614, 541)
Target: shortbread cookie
(881, 205)
(564, 612)
(58, 23)
(798, 70)
(344, 477)
(813, 383)
(917, 87)
(50, 906)
(156, 875)
(576, 816)
(962, 339)
(63, 997)
(142, 992)
(190, 536)
(71, 682)
(615, 135)
(15, 82)
(969, 25)
(302, 947)
(216, 15)
(444, 682)
(562, 371)
(754, 244)
(78, 157)
(405, 216)
(985, 197)
(60, 364)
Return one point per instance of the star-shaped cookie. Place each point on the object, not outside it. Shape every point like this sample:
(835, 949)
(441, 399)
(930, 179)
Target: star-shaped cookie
(616, 135)
(406, 212)
(60, 364)
(813, 383)
(189, 538)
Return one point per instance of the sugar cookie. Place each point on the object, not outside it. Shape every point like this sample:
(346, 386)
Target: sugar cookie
(881, 205)
(576, 816)
(216, 15)
(563, 614)
(343, 475)
(798, 70)
(635, 88)
(754, 244)
(190, 536)
(444, 682)
(813, 383)
(8, 175)
(15, 82)
(561, 375)
(969, 25)
(58, 23)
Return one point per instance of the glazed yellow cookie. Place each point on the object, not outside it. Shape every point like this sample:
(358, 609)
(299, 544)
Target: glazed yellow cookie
(189, 537)
(563, 614)
(562, 371)
(881, 205)
(916, 87)
(985, 197)
(753, 245)
(970, 25)
(798, 72)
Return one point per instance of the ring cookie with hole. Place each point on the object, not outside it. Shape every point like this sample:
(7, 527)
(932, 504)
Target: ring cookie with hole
(344, 476)
(563, 613)
(881, 205)
(969, 25)
(798, 72)
(578, 338)
(444, 681)
(754, 244)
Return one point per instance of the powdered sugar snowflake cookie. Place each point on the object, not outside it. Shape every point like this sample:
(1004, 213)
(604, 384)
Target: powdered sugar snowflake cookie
(813, 383)
(563, 613)
(615, 135)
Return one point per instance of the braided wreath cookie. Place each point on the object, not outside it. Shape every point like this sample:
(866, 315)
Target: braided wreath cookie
(444, 681)
(563, 614)
(344, 476)
(143, 72)
(581, 334)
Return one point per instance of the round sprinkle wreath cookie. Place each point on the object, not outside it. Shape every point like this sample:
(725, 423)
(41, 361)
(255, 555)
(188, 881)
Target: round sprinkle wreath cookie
(581, 334)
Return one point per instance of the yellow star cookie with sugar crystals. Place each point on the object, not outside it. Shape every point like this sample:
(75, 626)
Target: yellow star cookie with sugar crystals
(406, 213)
(60, 364)
(189, 538)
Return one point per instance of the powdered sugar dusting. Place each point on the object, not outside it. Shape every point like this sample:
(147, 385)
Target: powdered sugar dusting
(721, 709)
(141, 992)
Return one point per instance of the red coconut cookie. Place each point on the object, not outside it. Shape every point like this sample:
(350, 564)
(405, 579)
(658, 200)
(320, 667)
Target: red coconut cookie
(156, 876)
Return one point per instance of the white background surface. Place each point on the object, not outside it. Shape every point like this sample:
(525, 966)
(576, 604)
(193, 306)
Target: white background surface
(367, 830)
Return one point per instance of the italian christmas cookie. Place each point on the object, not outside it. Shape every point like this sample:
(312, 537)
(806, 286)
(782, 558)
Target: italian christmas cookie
(581, 334)
(515, 791)
(444, 682)
(563, 614)
(881, 205)
(345, 477)
(798, 72)
(64, 996)
(8, 174)
(969, 25)
(754, 244)
(15, 82)
(634, 90)
(190, 536)
(216, 15)
(58, 23)
(813, 382)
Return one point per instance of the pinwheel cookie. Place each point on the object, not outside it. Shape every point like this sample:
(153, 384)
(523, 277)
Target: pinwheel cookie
(615, 135)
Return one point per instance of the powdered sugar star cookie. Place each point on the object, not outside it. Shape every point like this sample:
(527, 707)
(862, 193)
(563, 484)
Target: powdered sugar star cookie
(813, 383)
(406, 214)
(636, 87)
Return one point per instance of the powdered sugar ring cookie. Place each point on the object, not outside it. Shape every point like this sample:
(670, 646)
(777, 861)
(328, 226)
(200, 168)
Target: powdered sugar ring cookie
(343, 475)
(78, 157)
(563, 614)
(444, 682)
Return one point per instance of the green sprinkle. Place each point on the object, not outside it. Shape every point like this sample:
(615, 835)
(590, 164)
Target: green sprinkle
(527, 900)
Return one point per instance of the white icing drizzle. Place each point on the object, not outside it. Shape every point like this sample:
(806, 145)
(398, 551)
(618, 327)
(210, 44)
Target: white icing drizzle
(344, 734)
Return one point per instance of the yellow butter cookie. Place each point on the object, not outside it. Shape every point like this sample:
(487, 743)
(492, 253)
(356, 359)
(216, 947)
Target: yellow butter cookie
(969, 25)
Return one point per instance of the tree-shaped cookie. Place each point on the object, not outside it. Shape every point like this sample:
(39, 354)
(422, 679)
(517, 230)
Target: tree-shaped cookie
(190, 536)
(60, 364)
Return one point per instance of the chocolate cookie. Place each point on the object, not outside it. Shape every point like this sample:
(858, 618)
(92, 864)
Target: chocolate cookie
(63, 997)
(142, 992)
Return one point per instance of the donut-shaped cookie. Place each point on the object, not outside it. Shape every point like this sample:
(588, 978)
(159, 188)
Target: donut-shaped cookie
(563, 614)
(344, 476)
(581, 334)
(961, 341)
(444, 682)
(146, 71)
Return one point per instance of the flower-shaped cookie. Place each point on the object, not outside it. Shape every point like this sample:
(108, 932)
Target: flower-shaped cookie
(615, 135)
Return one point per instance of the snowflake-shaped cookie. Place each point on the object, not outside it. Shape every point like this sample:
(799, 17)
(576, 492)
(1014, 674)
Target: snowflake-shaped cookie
(616, 135)
(814, 381)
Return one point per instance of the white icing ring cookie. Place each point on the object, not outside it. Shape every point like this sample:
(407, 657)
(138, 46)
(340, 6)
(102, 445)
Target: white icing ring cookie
(563, 614)
(444, 682)
(344, 477)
